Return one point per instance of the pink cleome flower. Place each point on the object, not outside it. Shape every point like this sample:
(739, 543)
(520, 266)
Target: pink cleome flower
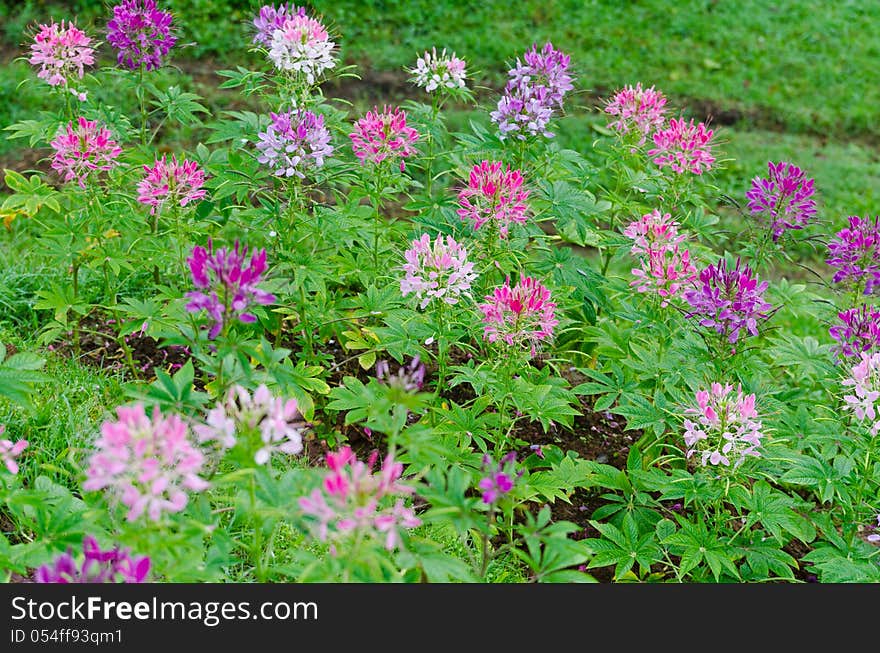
(439, 271)
(494, 194)
(172, 183)
(349, 501)
(726, 427)
(9, 451)
(865, 382)
(519, 315)
(111, 566)
(653, 231)
(82, 149)
(302, 45)
(62, 52)
(147, 463)
(684, 147)
(383, 135)
(638, 111)
(665, 268)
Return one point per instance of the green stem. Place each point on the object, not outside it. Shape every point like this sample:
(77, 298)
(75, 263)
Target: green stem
(143, 106)
(76, 320)
(257, 548)
(441, 348)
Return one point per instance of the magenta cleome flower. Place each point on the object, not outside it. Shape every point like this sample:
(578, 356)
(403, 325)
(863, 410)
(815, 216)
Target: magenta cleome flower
(141, 33)
(726, 428)
(865, 381)
(653, 231)
(83, 149)
(444, 72)
(409, 378)
(302, 45)
(684, 147)
(349, 503)
(265, 424)
(112, 566)
(519, 315)
(639, 111)
(62, 52)
(147, 463)
(9, 451)
(783, 199)
(294, 143)
(859, 332)
(383, 135)
(499, 479)
(440, 271)
(271, 18)
(230, 281)
(728, 300)
(494, 194)
(855, 253)
(172, 183)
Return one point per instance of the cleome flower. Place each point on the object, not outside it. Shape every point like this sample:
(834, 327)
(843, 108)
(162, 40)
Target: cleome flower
(262, 423)
(653, 231)
(437, 271)
(665, 268)
(443, 71)
(383, 135)
(141, 33)
(864, 380)
(271, 18)
(519, 315)
(725, 428)
(499, 478)
(295, 142)
(728, 300)
(783, 199)
(494, 194)
(638, 111)
(9, 451)
(683, 146)
(859, 332)
(62, 52)
(172, 183)
(146, 463)
(82, 149)
(544, 68)
(112, 566)
(409, 378)
(302, 45)
(227, 284)
(349, 502)
(855, 254)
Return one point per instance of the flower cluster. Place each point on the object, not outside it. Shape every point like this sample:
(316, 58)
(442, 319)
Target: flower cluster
(172, 183)
(272, 18)
(664, 267)
(638, 111)
(383, 135)
(859, 331)
(683, 146)
(275, 423)
(520, 314)
(82, 149)
(865, 381)
(534, 91)
(62, 51)
(9, 451)
(409, 378)
(855, 253)
(439, 271)
(874, 538)
(349, 501)
(726, 426)
(728, 300)
(294, 142)
(301, 44)
(141, 33)
(494, 194)
(148, 463)
(784, 198)
(112, 566)
(441, 71)
(230, 281)
(499, 479)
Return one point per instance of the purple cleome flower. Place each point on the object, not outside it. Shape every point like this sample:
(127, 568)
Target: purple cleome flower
(409, 378)
(295, 142)
(783, 198)
(112, 566)
(141, 33)
(231, 282)
(855, 253)
(271, 18)
(499, 479)
(728, 300)
(859, 332)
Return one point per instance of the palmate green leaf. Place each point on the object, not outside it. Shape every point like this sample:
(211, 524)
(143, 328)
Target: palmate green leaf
(696, 545)
(836, 565)
(623, 547)
(766, 561)
(180, 106)
(544, 403)
(818, 475)
(33, 130)
(561, 480)
(773, 511)
(610, 387)
(801, 356)
(18, 373)
(29, 194)
(642, 414)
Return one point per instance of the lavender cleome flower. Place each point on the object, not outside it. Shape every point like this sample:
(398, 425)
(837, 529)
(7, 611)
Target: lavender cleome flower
(296, 141)
(409, 378)
(855, 253)
(859, 332)
(271, 18)
(783, 199)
